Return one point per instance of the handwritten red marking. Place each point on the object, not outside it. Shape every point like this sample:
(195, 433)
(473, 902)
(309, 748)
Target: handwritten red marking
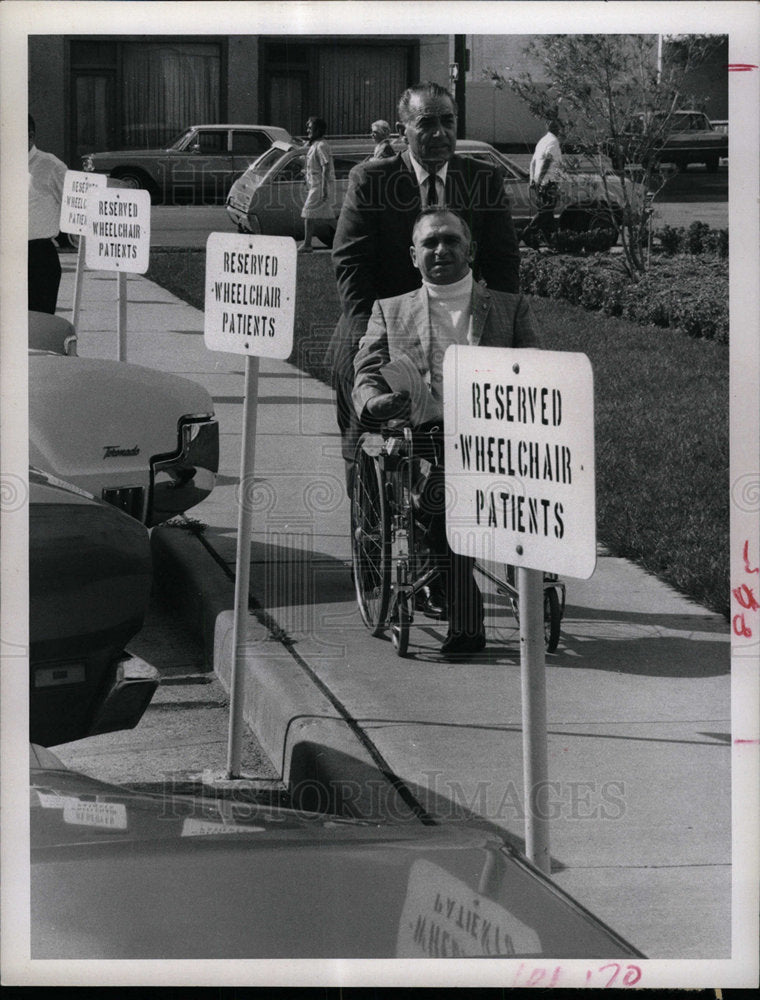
(751, 742)
(632, 975)
(741, 628)
(740, 67)
(611, 965)
(746, 597)
(746, 560)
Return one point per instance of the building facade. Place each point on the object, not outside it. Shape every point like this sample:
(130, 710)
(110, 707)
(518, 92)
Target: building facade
(91, 92)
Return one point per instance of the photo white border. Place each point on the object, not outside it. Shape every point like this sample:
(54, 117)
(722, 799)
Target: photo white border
(18, 19)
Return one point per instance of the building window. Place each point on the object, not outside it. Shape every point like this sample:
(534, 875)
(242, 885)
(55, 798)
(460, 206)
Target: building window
(167, 87)
(137, 94)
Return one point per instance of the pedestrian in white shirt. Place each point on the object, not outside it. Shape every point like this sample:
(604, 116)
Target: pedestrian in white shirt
(46, 175)
(545, 176)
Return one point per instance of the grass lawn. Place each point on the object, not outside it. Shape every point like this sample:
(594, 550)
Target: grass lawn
(662, 432)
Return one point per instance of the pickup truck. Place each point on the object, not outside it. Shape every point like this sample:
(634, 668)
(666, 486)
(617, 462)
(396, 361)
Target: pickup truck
(679, 137)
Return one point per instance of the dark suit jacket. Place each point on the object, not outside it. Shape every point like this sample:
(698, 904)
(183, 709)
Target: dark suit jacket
(371, 245)
(401, 326)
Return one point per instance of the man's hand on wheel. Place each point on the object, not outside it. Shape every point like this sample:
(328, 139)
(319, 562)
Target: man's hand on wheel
(389, 406)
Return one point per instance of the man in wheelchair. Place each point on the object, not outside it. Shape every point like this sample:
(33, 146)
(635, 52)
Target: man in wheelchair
(404, 345)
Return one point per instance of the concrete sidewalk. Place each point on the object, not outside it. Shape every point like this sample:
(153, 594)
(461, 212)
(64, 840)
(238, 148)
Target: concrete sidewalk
(638, 691)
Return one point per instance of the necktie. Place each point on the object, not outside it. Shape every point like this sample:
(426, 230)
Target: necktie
(432, 190)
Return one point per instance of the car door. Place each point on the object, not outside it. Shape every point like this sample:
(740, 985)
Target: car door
(278, 201)
(199, 167)
(212, 160)
(515, 183)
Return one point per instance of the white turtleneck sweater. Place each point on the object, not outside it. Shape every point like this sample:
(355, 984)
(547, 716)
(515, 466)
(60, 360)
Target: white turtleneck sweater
(450, 313)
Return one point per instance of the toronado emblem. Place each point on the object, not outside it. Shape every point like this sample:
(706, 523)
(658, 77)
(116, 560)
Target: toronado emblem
(115, 451)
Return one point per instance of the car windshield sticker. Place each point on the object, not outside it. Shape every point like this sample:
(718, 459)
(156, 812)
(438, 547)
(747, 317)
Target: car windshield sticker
(444, 918)
(104, 815)
(86, 812)
(205, 828)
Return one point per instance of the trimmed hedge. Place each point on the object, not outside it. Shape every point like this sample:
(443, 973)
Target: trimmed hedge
(697, 239)
(686, 292)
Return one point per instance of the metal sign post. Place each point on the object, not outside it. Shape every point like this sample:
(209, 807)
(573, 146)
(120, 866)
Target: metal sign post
(530, 583)
(243, 568)
(250, 310)
(118, 239)
(78, 281)
(519, 465)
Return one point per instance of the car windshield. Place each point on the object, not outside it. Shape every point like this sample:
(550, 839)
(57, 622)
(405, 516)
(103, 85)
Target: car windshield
(584, 164)
(267, 160)
(684, 121)
(690, 123)
(182, 139)
(512, 170)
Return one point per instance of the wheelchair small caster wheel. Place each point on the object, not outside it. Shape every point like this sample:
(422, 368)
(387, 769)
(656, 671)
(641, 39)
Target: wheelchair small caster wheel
(400, 620)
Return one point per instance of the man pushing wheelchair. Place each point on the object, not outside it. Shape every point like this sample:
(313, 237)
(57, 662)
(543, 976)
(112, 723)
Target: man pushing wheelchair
(411, 332)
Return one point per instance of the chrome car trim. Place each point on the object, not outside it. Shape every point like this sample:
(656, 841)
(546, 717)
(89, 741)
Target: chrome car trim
(185, 478)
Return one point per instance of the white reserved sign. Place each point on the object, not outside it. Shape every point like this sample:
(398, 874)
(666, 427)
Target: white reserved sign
(519, 457)
(77, 186)
(250, 294)
(118, 232)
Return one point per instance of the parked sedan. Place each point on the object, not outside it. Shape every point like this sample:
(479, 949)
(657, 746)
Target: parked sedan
(269, 196)
(121, 875)
(198, 167)
(89, 583)
(143, 440)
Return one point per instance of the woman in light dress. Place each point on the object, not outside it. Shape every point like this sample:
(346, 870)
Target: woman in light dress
(320, 181)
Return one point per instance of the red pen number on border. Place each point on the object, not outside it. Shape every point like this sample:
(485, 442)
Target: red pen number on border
(631, 975)
(744, 596)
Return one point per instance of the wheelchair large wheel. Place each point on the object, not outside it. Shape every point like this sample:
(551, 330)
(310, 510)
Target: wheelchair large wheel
(370, 542)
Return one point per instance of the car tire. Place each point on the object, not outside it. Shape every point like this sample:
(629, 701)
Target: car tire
(136, 180)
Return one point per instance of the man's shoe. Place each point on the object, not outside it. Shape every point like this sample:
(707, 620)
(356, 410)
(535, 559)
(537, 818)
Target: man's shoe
(430, 604)
(458, 644)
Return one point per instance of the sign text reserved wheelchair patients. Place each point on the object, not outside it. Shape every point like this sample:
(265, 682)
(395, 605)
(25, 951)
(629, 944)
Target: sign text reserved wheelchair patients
(519, 456)
(250, 294)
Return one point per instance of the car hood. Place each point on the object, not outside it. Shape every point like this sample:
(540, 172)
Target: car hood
(77, 426)
(131, 154)
(702, 136)
(117, 874)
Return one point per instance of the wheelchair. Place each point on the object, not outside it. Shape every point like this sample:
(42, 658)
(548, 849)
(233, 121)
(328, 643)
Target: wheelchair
(389, 561)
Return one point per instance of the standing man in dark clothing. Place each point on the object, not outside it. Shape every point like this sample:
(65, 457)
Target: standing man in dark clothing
(384, 197)
(46, 176)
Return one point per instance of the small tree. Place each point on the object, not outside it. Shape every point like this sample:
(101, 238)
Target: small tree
(616, 101)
